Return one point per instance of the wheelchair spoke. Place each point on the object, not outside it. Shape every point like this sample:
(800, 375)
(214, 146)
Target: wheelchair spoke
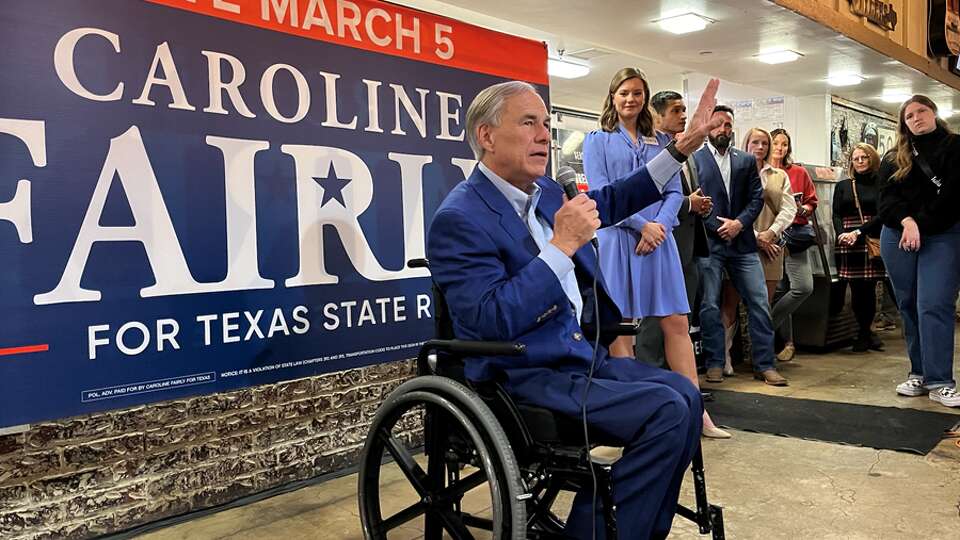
(404, 516)
(477, 522)
(466, 471)
(454, 525)
(460, 488)
(411, 469)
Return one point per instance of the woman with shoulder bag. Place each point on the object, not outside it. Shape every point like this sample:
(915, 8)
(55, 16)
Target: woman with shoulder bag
(858, 244)
(799, 236)
(920, 245)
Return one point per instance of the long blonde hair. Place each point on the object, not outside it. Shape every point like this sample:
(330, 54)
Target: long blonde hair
(904, 146)
(609, 118)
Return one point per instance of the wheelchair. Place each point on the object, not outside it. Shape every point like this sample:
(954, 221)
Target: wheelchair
(488, 463)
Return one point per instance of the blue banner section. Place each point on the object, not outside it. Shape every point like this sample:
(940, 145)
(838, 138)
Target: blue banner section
(190, 205)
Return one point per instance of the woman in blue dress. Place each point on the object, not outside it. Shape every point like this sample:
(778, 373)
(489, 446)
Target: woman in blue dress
(638, 256)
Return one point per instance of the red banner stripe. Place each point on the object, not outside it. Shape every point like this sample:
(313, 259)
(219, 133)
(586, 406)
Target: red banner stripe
(24, 350)
(388, 29)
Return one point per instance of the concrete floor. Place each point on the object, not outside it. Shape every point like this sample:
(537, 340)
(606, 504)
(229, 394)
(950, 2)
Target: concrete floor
(770, 487)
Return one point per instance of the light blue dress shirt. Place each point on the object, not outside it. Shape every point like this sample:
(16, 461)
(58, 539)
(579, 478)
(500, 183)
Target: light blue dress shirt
(661, 169)
(526, 208)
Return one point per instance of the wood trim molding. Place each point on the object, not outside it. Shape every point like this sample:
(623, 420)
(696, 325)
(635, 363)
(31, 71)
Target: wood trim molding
(835, 20)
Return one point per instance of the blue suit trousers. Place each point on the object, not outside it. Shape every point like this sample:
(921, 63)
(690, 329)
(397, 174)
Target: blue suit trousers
(655, 414)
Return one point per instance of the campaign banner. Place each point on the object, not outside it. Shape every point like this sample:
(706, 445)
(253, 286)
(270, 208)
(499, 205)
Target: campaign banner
(202, 195)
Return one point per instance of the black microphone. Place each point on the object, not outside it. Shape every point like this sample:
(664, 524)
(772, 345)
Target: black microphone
(567, 178)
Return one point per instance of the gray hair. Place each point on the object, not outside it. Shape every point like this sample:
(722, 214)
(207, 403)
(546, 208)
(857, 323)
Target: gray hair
(487, 107)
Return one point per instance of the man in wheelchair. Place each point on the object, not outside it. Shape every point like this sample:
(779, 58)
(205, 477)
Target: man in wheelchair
(509, 254)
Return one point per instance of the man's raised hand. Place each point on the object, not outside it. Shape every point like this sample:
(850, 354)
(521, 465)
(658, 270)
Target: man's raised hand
(702, 121)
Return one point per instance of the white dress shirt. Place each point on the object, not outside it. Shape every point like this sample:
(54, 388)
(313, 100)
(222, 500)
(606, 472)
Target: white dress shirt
(723, 163)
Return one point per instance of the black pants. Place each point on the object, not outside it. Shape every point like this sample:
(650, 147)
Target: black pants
(863, 301)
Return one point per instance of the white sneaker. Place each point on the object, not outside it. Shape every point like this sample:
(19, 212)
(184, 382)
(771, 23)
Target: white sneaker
(912, 387)
(946, 395)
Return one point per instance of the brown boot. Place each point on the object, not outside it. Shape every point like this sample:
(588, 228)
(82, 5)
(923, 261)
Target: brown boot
(771, 377)
(715, 375)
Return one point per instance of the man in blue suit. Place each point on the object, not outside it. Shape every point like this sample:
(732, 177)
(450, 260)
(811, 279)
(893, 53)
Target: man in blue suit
(730, 178)
(509, 254)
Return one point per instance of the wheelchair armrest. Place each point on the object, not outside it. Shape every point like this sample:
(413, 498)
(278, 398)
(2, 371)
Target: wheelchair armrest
(462, 347)
(617, 329)
(458, 349)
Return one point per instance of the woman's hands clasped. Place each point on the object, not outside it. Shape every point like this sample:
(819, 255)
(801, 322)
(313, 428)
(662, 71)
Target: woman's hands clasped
(848, 238)
(652, 235)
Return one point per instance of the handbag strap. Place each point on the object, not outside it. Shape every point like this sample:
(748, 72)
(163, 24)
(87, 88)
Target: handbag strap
(856, 201)
(925, 167)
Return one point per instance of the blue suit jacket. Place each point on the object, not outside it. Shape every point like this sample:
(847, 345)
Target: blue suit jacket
(485, 262)
(744, 202)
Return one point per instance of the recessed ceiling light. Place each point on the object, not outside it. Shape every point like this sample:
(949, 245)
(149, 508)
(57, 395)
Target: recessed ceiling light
(684, 23)
(778, 57)
(844, 79)
(566, 69)
(894, 96)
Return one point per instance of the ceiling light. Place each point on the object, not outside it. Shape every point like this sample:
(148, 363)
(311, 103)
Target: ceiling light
(844, 79)
(894, 96)
(778, 57)
(944, 112)
(684, 23)
(565, 69)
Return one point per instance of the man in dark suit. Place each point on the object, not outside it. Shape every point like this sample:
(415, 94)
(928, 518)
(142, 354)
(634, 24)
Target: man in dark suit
(730, 178)
(511, 258)
(690, 235)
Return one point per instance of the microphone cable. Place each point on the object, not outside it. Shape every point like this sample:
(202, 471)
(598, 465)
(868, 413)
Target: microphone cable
(586, 391)
(567, 178)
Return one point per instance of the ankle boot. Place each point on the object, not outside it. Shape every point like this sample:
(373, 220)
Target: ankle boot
(862, 344)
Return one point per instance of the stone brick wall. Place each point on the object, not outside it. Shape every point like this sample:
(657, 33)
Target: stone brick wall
(92, 475)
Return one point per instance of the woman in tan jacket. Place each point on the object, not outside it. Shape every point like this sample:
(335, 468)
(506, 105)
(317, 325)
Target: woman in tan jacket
(779, 209)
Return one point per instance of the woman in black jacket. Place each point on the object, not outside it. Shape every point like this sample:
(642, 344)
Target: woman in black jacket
(920, 244)
(855, 218)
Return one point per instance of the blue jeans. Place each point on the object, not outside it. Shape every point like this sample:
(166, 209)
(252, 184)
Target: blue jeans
(797, 285)
(925, 284)
(746, 274)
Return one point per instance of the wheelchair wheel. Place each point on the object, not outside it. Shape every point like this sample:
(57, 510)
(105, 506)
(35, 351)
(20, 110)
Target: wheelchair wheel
(471, 480)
